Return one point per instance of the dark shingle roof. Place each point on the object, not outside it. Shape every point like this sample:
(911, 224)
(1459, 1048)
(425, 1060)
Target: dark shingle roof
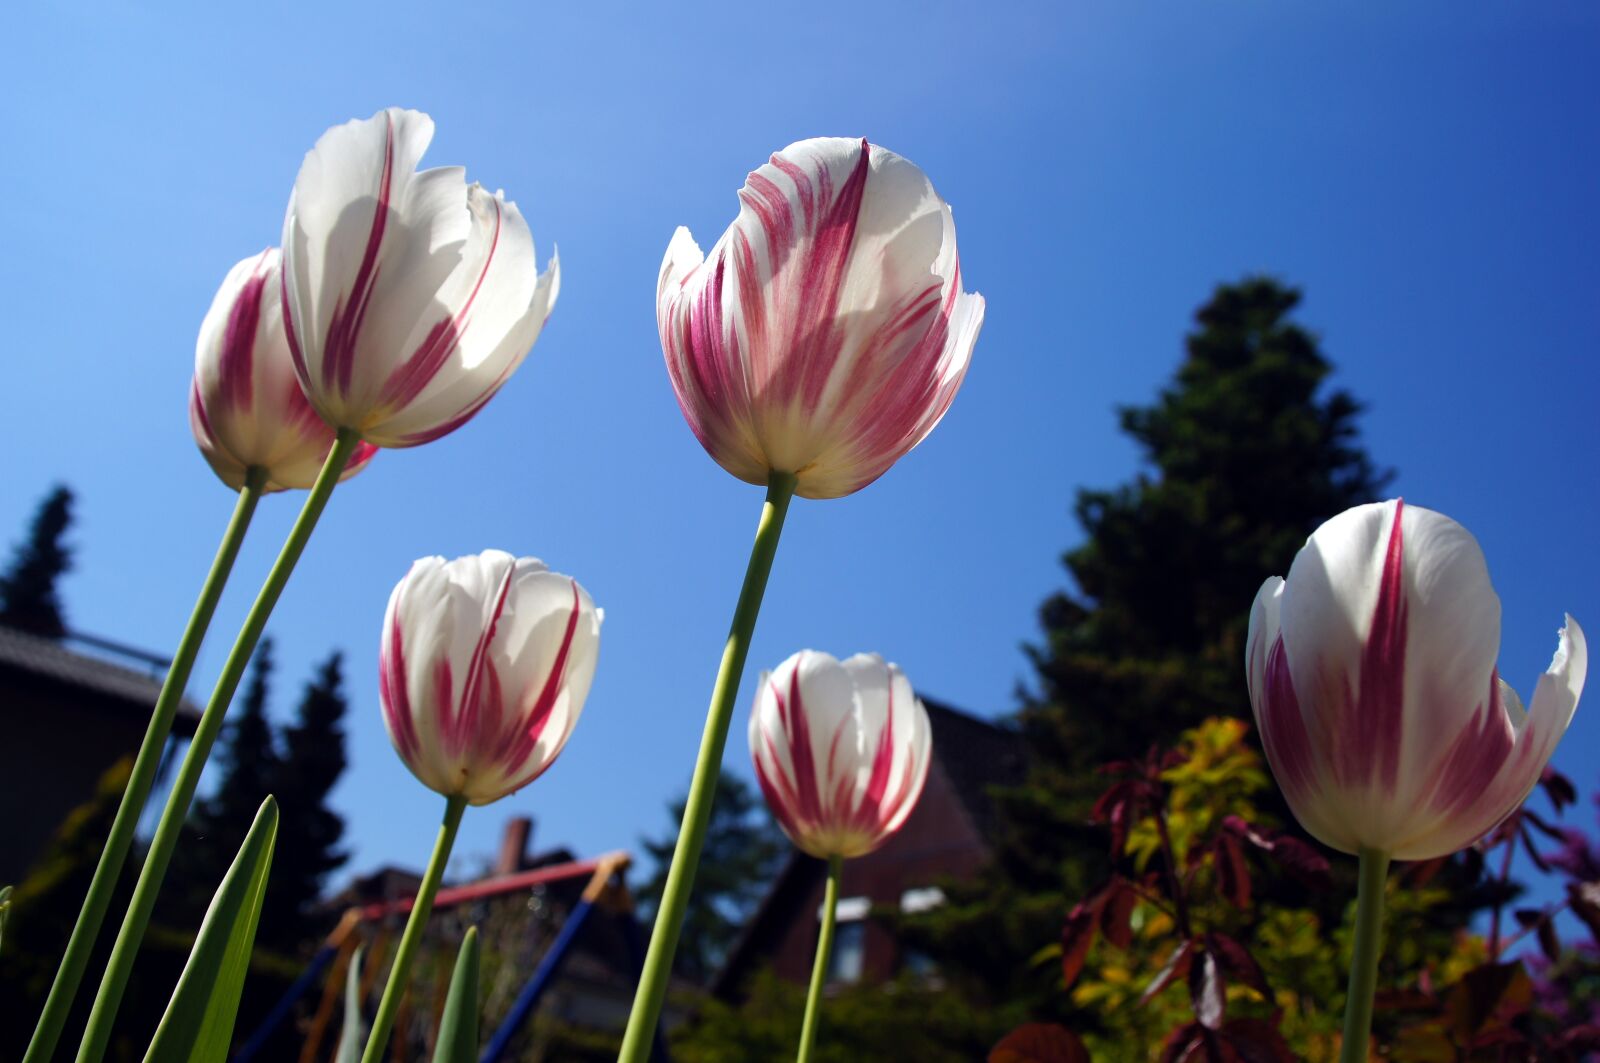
(47, 659)
(976, 755)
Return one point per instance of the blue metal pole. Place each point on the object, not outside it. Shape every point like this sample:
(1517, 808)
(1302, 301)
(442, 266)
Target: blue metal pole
(528, 999)
(312, 972)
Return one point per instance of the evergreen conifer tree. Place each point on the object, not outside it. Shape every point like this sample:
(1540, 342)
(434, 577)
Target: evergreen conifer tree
(28, 595)
(742, 852)
(309, 831)
(1245, 453)
(248, 762)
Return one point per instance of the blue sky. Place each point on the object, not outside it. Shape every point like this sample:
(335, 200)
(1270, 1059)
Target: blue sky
(1428, 175)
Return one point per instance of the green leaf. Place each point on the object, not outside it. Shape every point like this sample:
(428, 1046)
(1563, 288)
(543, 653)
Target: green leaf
(353, 1035)
(198, 1025)
(5, 909)
(458, 1028)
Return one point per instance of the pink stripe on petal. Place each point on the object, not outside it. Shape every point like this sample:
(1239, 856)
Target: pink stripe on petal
(339, 350)
(444, 704)
(197, 406)
(288, 326)
(1375, 730)
(798, 732)
(868, 815)
(467, 722)
(1283, 728)
(779, 797)
(1476, 755)
(235, 359)
(539, 714)
(414, 374)
(394, 694)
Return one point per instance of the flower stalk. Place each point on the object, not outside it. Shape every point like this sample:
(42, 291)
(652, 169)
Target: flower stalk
(421, 909)
(819, 970)
(148, 761)
(1364, 953)
(114, 982)
(652, 991)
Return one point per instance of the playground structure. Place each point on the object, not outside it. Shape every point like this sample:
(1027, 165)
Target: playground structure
(491, 902)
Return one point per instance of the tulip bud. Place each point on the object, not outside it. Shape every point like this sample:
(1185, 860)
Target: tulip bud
(827, 332)
(841, 750)
(246, 407)
(485, 665)
(410, 296)
(1372, 676)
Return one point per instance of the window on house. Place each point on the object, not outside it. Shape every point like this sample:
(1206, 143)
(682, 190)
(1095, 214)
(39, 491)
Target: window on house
(913, 962)
(849, 952)
(849, 957)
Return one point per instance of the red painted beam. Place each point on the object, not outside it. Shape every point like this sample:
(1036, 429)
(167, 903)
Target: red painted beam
(494, 887)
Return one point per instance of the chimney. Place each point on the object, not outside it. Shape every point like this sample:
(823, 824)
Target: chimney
(514, 845)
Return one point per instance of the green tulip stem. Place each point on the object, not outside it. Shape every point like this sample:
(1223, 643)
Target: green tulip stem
(416, 923)
(115, 854)
(819, 970)
(652, 991)
(97, 1033)
(1364, 953)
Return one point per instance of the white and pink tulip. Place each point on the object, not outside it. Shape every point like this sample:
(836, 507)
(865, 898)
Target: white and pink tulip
(485, 664)
(841, 750)
(826, 333)
(410, 295)
(246, 406)
(1373, 679)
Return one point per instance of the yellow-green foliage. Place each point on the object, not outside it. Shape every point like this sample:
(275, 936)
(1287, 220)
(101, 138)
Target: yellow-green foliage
(1302, 962)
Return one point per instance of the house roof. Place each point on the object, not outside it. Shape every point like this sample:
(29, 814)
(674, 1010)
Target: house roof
(47, 659)
(974, 754)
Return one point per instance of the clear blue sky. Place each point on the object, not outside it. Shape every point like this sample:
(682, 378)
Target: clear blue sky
(1427, 174)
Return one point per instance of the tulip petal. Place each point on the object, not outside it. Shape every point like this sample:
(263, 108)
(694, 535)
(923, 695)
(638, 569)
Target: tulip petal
(246, 406)
(1492, 767)
(411, 296)
(1391, 628)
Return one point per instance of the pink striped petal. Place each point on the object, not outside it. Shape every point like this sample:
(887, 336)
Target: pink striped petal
(841, 750)
(486, 663)
(411, 296)
(826, 333)
(1372, 677)
(246, 406)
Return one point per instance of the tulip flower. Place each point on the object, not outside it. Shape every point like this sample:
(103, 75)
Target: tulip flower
(410, 297)
(823, 337)
(827, 332)
(485, 664)
(1373, 680)
(1372, 675)
(246, 406)
(841, 750)
(484, 668)
(407, 298)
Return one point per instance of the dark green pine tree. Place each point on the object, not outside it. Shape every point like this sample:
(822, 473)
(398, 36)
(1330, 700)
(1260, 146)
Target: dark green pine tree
(1245, 453)
(742, 852)
(28, 597)
(309, 831)
(248, 764)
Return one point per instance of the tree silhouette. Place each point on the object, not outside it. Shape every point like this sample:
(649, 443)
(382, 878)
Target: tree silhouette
(308, 830)
(1245, 453)
(742, 850)
(28, 596)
